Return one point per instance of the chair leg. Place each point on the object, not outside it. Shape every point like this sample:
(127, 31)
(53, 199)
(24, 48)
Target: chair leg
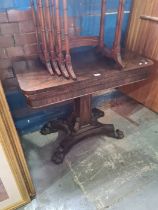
(115, 52)
(61, 61)
(48, 25)
(35, 21)
(43, 36)
(67, 44)
(102, 24)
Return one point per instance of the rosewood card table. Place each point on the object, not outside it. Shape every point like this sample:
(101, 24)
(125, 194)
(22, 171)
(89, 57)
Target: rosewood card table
(94, 73)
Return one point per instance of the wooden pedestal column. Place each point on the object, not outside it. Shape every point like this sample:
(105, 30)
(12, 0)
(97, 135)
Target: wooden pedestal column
(83, 110)
(83, 123)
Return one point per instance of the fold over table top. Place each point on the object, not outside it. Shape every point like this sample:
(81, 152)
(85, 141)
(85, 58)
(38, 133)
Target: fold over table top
(94, 73)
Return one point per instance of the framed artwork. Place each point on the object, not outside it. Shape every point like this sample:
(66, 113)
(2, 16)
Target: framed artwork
(3, 193)
(16, 186)
(10, 194)
(13, 192)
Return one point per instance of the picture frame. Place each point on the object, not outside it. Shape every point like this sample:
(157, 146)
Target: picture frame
(16, 187)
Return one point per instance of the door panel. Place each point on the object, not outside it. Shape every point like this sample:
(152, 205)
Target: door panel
(143, 38)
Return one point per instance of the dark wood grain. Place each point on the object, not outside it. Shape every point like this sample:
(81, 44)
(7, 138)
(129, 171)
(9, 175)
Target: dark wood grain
(94, 74)
(83, 109)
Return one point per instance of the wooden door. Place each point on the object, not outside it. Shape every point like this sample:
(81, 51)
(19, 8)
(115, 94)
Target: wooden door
(143, 38)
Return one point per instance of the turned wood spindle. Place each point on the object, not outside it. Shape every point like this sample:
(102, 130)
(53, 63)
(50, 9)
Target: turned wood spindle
(43, 36)
(59, 41)
(67, 44)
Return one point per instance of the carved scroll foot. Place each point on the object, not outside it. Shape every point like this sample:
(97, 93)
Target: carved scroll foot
(59, 156)
(73, 136)
(96, 114)
(55, 126)
(85, 132)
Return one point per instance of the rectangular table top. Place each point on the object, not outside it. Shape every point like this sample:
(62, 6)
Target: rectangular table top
(94, 73)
